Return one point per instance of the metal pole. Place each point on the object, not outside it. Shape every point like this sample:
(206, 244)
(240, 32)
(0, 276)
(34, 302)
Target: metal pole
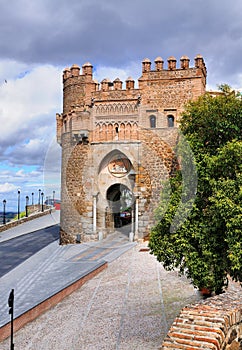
(11, 305)
(18, 204)
(26, 207)
(53, 198)
(39, 196)
(42, 201)
(4, 211)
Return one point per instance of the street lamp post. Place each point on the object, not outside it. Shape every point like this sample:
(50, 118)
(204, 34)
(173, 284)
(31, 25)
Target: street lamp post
(32, 198)
(18, 204)
(4, 211)
(26, 207)
(11, 306)
(53, 198)
(39, 196)
(42, 201)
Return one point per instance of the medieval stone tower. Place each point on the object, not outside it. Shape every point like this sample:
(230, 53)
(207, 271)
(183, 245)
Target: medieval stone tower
(117, 145)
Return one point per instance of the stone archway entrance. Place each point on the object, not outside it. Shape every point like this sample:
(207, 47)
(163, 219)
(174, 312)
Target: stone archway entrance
(120, 199)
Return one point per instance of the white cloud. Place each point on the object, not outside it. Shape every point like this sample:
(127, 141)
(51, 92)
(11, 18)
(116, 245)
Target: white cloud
(133, 69)
(20, 177)
(7, 187)
(10, 69)
(26, 101)
(238, 86)
(30, 98)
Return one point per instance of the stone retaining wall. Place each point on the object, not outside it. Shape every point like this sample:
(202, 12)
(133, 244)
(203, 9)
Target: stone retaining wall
(215, 323)
(12, 224)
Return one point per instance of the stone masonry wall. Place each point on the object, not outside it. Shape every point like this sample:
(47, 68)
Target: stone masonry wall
(69, 218)
(158, 158)
(172, 95)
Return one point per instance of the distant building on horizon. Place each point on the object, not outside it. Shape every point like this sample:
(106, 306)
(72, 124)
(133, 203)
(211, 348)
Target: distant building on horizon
(53, 202)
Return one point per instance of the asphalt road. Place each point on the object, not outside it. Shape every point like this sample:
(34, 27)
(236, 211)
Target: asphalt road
(14, 251)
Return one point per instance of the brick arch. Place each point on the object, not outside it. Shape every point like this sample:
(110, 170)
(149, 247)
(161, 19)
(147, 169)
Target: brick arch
(111, 156)
(116, 128)
(128, 131)
(135, 134)
(122, 130)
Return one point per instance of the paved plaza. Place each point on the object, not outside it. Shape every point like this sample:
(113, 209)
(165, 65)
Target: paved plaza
(129, 305)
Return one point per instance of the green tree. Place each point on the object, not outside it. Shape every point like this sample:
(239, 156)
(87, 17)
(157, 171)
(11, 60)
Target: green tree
(207, 246)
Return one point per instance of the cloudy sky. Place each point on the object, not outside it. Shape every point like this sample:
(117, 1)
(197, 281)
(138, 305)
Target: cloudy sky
(40, 38)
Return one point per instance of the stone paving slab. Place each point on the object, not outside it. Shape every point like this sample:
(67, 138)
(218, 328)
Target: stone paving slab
(54, 268)
(130, 305)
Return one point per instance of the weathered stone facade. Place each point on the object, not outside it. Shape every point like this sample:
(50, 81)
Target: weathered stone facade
(118, 144)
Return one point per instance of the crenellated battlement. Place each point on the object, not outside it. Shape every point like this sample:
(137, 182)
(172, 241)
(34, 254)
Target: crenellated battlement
(107, 85)
(172, 64)
(74, 71)
(162, 89)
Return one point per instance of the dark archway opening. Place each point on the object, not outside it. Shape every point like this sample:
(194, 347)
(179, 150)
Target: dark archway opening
(120, 201)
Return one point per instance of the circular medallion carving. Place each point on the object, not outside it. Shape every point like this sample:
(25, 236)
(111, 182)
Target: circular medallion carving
(119, 167)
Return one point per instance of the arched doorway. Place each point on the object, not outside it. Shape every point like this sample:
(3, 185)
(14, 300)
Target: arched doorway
(120, 200)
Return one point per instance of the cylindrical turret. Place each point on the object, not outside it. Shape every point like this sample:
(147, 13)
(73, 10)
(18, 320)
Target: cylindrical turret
(184, 60)
(171, 63)
(146, 64)
(66, 73)
(87, 69)
(117, 84)
(105, 84)
(159, 64)
(129, 83)
(199, 63)
(75, 70)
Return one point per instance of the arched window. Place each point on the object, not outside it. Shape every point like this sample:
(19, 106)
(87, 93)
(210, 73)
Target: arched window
(170, 120)
(153, 121)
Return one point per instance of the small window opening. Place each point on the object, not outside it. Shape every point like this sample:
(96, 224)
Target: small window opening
(170, 119)
(153, 121)
(116, 129)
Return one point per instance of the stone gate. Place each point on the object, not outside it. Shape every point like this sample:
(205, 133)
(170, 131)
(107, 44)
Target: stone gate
(118, 145)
